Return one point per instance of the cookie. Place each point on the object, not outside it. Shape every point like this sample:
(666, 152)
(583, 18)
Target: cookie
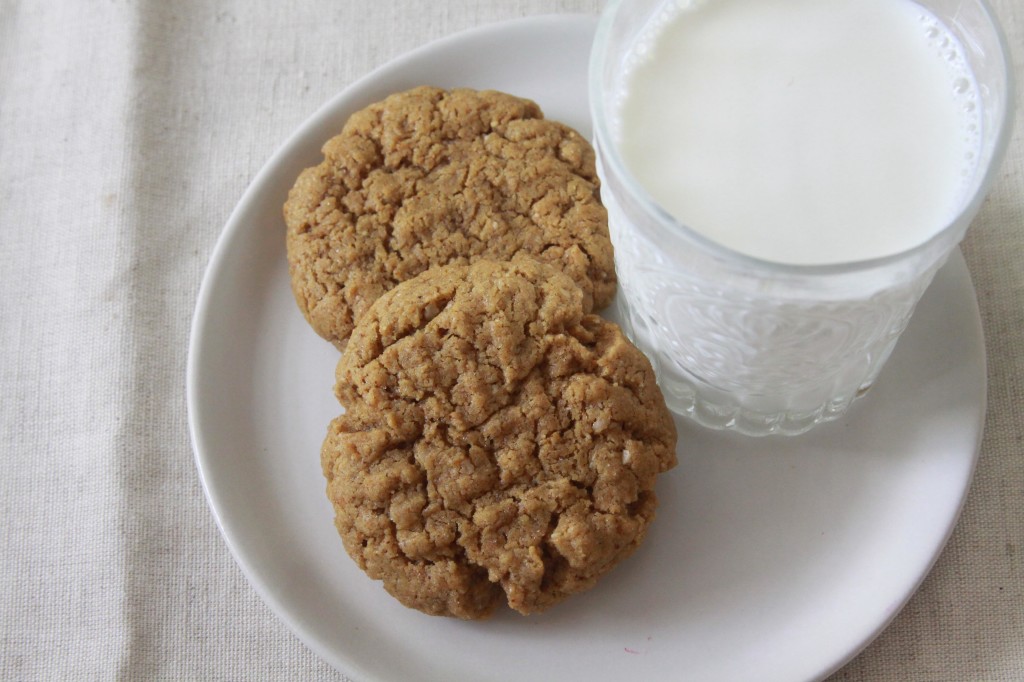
(498, 443)
(429, 177)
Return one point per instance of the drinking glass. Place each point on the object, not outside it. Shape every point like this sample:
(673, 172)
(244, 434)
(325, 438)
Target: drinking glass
(756, 346)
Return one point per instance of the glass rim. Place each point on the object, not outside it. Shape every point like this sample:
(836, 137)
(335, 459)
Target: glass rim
(609, 155)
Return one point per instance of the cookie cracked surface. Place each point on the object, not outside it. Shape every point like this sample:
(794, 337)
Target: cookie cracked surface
(498, 442)
(429, 177)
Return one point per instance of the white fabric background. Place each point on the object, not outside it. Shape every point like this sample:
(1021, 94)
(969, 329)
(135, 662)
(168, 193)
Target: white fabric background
(128, 131)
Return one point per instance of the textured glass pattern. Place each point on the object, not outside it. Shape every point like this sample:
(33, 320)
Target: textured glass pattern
(734, 358)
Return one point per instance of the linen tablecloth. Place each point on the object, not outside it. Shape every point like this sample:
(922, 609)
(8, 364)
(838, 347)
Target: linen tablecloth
(128, 131)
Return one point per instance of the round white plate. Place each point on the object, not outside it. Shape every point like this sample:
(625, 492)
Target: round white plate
(771, 559)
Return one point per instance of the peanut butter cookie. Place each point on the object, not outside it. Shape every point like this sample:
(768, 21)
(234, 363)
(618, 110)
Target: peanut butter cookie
(429, 177)
(498, 443)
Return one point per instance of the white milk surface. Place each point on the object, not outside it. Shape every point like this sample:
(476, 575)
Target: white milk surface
(801, 131)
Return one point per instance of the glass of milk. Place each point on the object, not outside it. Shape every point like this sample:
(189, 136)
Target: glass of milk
(783, 179)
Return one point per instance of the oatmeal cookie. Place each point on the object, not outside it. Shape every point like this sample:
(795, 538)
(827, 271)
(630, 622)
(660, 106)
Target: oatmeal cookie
(429, 177)
(498, 443)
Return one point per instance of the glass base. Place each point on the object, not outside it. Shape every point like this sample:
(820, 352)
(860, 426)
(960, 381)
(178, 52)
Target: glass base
(684, 399)
(714, 408)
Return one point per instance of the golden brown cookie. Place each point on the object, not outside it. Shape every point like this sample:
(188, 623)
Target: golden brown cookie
(428, 177)
(498, 443)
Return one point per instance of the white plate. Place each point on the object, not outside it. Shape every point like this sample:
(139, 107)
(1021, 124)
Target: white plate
(771, 559)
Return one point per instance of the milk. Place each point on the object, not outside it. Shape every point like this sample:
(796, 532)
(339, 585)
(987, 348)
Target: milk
(801, 131)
